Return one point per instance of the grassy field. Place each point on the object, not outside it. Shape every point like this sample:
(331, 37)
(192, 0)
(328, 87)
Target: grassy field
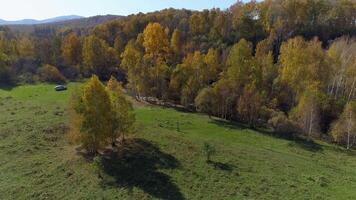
(160, 161)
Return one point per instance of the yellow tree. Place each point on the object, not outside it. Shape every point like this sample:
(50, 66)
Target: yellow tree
(72, 49)
(205, 101)
(197, 24)
(303, 63)
(249, 105)
(344, 129)
(155, 41)
(26, 48)
(239, 62)
(93, 106)
(132, 63)
(95, 51)
(307, 112)
(213, 66)
(342, 57)
(122, 111)
(176, 42)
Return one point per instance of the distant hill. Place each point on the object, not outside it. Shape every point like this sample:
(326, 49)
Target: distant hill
(45, 21)
(76, 24)
(86, 22)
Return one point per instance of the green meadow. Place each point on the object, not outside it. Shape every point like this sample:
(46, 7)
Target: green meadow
(163, 159)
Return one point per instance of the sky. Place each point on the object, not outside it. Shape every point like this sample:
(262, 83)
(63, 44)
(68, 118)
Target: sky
(43, 9)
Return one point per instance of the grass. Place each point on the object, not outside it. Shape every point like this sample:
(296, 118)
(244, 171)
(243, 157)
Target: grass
(160, 161)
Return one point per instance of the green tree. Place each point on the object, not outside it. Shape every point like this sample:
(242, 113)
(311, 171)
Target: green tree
(208, 150)
(5, 71)
(205, 101)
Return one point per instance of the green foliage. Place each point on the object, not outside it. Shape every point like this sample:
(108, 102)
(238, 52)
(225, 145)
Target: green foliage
(5, 72)
(205, 101)
(209, 150)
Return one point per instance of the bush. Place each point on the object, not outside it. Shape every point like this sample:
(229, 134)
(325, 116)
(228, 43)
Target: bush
(209, 150)
(5, 70)
(27, 78)
(282, 125)
(49, 73)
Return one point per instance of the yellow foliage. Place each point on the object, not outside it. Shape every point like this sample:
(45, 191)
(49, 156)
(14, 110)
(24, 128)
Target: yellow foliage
(155, 40)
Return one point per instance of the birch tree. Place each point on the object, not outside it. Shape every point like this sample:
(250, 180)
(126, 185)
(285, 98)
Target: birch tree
(344, 129)
(342, 57)
(307, 111)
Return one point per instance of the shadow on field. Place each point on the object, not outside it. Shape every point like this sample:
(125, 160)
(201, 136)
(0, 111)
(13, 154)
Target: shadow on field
(221, 166)
(308, 145)
(228, 124)
(240, 126)
(137, 164)
(299, 141)
(7, 87)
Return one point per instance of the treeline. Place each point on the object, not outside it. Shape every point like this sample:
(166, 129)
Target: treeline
(289, 64)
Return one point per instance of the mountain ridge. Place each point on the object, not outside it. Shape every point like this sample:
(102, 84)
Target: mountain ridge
(44, 21)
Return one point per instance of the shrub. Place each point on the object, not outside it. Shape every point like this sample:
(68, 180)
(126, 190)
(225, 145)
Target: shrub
(209, 150)
(282, 125)
(49, 73)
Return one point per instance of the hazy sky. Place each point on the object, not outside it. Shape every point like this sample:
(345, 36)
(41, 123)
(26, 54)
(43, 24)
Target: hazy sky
(41, 9)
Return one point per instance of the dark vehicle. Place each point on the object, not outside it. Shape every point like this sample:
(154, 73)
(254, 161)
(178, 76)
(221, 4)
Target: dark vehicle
(60, 87)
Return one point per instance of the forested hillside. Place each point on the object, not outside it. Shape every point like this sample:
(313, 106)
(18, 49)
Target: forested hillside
(289, 65)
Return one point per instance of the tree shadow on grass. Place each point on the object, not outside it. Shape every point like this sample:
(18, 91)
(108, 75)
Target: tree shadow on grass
(306, 144)
(221, 166)
(7, 87)
(240, 126)
(228, 124)
(137, 164)
(299, 141)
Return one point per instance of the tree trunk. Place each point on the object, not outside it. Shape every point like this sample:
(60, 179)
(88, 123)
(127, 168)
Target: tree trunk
(349, 131)
(351, 90)
(310, 123)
